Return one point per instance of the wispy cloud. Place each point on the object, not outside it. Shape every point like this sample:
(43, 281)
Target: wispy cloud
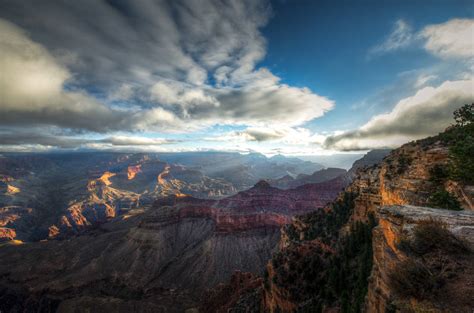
(33, 93)
(401, 36)
(424, 79)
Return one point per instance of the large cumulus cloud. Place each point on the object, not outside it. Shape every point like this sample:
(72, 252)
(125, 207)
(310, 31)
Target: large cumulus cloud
(426, 113)
(453, 38)
(143, 65)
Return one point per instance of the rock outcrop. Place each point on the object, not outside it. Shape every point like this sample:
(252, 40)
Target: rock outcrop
(405, 177)
(7, 234)
(396, 223)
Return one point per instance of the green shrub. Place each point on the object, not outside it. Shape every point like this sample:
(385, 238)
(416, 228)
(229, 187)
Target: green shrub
(439, 174)
(431, 236)
(404, 162)
(443, 199)
(462, 157)
(460, 139)
(325, 225)
(464, 115)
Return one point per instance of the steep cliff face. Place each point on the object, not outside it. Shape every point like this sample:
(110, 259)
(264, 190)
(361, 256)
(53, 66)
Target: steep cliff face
(7, 234)
(317, 264)
(14, 219)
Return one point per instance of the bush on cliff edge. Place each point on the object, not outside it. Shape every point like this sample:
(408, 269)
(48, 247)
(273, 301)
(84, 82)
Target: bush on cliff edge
(433, 255)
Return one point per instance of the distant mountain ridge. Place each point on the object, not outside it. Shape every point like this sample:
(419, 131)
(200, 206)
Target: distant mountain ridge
(326, 174)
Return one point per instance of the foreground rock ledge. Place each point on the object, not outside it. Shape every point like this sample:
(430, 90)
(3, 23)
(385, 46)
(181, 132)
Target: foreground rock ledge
(398, 220)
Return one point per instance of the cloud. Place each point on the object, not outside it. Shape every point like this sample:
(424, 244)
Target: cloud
(254, 134)
(400, 37)
(423, 79)
(264, 134)
(32, 87)
(172, 66)
(69, 142)
(28, 138)
(451, 39)
(426, 113)
(282, 135)
(134, 141)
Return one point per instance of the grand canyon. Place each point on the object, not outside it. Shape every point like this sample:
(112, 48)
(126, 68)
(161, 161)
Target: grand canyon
(236, 156)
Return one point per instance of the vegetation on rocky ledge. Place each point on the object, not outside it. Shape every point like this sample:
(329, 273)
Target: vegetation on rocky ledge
(443, 199)
(324, 225)
(328, 272)
(435, 259)
(460, 139)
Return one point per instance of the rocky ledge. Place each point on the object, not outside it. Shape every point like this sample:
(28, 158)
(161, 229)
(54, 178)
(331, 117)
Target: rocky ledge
(460, 223)
(397, 222)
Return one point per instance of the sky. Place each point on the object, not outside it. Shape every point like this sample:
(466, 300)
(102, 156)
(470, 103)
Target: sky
(291, 77)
